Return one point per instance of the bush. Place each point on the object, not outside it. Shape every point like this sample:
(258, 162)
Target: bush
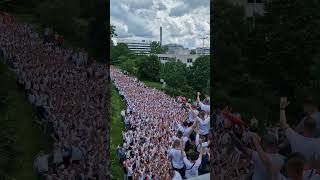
(149, 68)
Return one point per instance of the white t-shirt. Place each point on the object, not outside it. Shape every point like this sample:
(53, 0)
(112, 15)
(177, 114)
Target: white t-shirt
(185, 130)
(31, 98)
(205, 108)
(41, 163)
(310, 175)
(204, 126)
(38, 100)
(177, 158)
(76, 153)
(57, 156)
(191, 168)
(308, 147)
(129, 170)
(204, 145)
(28, 85)
(259, 172)
(177, 176)
(184, 140)
(191, 116)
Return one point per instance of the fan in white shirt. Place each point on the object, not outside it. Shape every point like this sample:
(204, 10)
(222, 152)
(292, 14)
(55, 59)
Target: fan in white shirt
(204, 107)
(193, 164)
(204, 123)
(181, 138)
(193, 113)
(175, 155)
(175, 175)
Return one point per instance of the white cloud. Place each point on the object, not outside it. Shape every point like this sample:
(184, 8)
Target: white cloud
(184, 21)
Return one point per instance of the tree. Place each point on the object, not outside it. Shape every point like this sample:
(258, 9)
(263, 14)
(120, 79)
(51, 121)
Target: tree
(112, 34)
(199, 74)
(156, 48)
(59, 14)
(113, 31)
(149, 68)
(120, 49)
(130, 66)
(289, 40)
(230, 35)
(174, 73)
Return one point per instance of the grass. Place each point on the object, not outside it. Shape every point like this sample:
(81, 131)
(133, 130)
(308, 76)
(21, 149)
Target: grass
(116, 127)
(21, 137)
(156, 85)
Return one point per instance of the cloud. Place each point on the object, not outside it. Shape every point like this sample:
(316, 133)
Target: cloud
(183, 21)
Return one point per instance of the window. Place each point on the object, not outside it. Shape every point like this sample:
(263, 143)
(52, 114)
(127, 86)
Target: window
(189, 60)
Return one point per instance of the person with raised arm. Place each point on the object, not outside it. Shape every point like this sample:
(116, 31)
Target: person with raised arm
(203, 123)
(201, 149)
(306, 144)
(204, 107)
(310, 108)
(194, 163)
(295, 166)
(176, 158)
(260, 171)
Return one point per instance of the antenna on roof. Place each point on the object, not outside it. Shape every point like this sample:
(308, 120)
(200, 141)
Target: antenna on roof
(203, 38)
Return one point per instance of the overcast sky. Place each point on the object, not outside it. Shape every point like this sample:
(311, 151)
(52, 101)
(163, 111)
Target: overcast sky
(183, 21)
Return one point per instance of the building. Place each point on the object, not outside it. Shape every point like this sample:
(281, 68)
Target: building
(203, 51)
(176, 49)
(137, 46)
(251, 7)
(185, 55)
(188, 59)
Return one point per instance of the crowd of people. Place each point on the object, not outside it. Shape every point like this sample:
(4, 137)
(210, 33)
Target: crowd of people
(165, 138)
(282, 152)
(69, 96)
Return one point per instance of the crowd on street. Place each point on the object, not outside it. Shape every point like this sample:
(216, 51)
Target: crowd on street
(165, 138)
(67, 90)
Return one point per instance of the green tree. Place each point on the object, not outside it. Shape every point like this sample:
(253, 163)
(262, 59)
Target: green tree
(199, 74)
(174, 73)
(113, 31)
(130, 66)
(230, 35)
(149, 68)
(59, 14)
(120, 49)
(156, 48)
(285, 41)
(112, 34)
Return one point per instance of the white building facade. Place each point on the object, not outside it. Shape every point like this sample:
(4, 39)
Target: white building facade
(188, 59)
(178, 52)
(176, 49)
(203, 51)
(141, 47)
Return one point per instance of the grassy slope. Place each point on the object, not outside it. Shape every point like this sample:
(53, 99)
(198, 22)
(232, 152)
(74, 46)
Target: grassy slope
(151, 84)
(116, 128)
(28, 137)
